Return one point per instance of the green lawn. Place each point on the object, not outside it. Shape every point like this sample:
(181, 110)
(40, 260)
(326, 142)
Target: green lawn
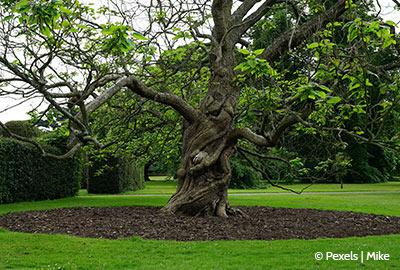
(37, 251)
(161, 186)
(24, 251)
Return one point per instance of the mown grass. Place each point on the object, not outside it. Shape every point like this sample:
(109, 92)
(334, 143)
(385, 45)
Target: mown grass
(38, 251)
(161, 186)
(27, 251)
(385, 204)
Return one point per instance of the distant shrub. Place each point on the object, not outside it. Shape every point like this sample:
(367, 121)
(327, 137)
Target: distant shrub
(21, 128)
(243, 176)
(25, 175)
(367, 165)
(55, 138)
(113, 175)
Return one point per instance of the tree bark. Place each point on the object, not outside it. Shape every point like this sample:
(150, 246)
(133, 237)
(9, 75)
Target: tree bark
(203, 178)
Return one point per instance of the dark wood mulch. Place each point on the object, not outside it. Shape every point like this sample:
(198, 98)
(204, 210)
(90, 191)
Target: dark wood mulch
(264, 223)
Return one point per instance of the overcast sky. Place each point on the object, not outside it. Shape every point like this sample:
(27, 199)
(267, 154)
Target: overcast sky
(19, 112)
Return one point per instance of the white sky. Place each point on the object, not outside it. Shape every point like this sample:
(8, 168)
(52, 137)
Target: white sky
(19, 112)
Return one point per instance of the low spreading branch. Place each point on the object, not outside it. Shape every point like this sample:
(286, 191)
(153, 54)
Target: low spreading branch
(166, 98)
(69, 154)
(266, 177)
(249, 135)
(271, 138)
(264, 156)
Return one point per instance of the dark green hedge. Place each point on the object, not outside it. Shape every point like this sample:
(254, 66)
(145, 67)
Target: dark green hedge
(25, 175)
(111, 175)
(21, 128)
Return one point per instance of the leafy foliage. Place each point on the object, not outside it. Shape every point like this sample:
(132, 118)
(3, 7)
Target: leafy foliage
(144, 129)
(244, 176)
(344, 72)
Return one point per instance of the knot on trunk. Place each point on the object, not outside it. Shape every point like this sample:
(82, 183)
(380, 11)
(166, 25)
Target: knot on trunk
(199, 157)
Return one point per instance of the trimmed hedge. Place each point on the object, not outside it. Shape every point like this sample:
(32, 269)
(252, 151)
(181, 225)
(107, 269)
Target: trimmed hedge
(21, 128)
(112, 175)
(25, 175)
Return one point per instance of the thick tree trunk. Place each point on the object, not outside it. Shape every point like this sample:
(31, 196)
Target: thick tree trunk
(207, 146)
(205, 172)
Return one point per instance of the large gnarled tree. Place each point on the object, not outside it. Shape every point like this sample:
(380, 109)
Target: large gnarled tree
(43, 54)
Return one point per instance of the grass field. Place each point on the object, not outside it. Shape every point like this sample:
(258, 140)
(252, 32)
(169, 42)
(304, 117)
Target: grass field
(38, 251)
(160, 185)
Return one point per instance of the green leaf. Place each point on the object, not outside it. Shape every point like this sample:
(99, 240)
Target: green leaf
(65, 10)
(354, 86)
(258, 52)
(353, 33)
(65, 24)
(45, 31)
(139, 36)
(358, 109)
(9, 17)
(22, 4)
(323, 87)
(244, 51)
(387, 42)
(241, 67)
(312, 95)
(321, 94)
(391, 23)
(313, 45)
(106, 31)
(334, 100)
(374, 26)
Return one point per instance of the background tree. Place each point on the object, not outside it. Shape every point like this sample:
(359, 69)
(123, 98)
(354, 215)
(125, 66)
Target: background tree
(356, 44)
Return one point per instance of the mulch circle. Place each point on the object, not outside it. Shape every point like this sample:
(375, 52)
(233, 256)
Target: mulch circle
(263, 223)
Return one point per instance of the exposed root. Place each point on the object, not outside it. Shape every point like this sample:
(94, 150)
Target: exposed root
(166, 210)
(221, 209)
(236, 212)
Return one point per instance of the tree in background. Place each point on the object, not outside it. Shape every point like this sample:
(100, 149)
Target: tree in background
(356, 38)
(58, 51)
